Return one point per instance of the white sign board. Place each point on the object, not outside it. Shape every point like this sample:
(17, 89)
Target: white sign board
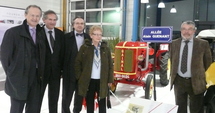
(10, 17)
(138, 105)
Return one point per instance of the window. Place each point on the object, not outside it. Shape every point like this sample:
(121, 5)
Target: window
(111, 16)
(111, 3)
(93, 4)
(105, 13)
(94, 16)
(110, 30)
(77, 5)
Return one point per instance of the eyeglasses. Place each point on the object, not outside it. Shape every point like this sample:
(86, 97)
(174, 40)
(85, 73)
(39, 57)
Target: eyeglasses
(97, 34)
(79, 23)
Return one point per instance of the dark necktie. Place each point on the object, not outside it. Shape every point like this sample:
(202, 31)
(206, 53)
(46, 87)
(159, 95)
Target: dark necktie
(184, 58)
(97, 52)
(77, 34)
(51, 39)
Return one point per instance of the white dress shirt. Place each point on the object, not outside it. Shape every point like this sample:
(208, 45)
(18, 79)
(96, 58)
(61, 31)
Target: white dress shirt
(48, 36)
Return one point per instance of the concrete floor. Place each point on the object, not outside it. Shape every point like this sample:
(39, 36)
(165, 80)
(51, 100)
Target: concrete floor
(124, 94)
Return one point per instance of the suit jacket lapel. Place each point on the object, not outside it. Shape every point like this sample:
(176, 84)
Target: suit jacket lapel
(75, 48)
(56, 38)
(194, 47)
(176, 51)
(43, 35)
(26, 34)
(71, 43)
(194, 53)
(85, 37)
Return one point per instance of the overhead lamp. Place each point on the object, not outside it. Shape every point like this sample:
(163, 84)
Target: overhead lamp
(161, 5)
(148, 6)
(144, 1)
(173, 9)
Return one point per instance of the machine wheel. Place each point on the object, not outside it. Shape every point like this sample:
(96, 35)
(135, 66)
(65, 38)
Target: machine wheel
(164, 79)
(149, 87)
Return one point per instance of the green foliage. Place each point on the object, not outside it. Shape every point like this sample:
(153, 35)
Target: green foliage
(112, 41)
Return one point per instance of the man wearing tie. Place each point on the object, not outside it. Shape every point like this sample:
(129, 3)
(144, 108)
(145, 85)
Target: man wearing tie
(54, 57)
(22, 57)
(190, 57)
(73, 42)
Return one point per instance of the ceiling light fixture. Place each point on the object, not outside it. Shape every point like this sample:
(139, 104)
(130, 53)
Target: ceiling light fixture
(161, 4)
(144, 1)
(173, 9)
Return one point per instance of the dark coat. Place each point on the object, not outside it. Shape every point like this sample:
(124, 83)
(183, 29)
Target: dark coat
(54, 62)
(83, 68)
(201, 60)
(70, 53)
(19, 57)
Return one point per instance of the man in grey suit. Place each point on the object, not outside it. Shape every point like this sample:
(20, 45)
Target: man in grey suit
(188, 72)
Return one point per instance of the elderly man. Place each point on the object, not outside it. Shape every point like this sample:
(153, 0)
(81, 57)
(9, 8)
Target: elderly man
(190, 57)
(22, 57)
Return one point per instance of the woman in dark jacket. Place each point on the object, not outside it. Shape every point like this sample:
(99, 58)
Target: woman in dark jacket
(94, 70)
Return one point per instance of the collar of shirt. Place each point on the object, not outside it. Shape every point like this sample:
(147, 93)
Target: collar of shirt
(29, 28)
(78, 33)
(190, 41)
(79, 40)
(99, 44)
(47, 33)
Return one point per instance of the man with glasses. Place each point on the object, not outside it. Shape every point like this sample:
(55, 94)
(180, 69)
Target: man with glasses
(73, 42)
(190, 57)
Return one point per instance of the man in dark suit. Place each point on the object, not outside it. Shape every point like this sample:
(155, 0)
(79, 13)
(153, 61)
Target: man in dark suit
(190, 57)
(22, 57)
(54, 59)
(73, 41)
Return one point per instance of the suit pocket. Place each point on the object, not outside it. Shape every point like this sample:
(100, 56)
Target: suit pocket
(10, 69)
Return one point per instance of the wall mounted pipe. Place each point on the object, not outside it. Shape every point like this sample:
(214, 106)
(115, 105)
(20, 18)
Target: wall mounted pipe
(135, 20)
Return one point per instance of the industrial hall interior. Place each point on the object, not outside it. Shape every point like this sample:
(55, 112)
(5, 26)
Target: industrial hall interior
(107, 56)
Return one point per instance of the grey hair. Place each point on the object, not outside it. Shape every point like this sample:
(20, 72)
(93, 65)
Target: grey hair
(49, 12)
(189, 22)
(35, 6)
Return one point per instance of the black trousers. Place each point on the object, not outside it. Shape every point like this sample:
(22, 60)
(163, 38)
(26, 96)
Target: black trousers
(183, 91)
(31, 103)
(93, 89)
(53, 92)
(68, 90)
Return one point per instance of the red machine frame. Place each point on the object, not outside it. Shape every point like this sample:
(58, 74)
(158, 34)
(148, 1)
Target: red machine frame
(132, 65)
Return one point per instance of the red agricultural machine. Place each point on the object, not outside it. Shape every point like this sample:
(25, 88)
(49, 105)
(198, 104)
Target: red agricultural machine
(133, 64)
